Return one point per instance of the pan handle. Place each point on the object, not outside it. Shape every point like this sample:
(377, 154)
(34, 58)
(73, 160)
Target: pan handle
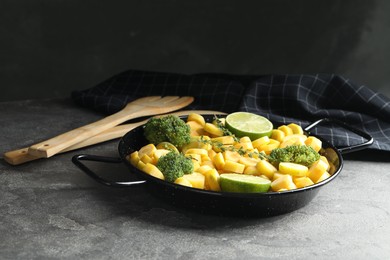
(352, 148)
(85, 157)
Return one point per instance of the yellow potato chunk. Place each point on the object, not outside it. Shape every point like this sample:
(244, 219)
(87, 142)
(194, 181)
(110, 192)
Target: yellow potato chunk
(213, 129)
(317, 169)
(293, 169)
(212, 180)
(314, 142)
(266, 168)
(226, 140)
(148, 149)
(260, 142)
(231, 156)
(323, 177)
(294, 139)
(296, 129)
(160, 152)
(219, 161)
(183, 181)
(153, 170)
(251, 170)
(196, 179)
(301, 182)
(248, 161)
(197, 151)
(134, 158)
(197, 118)
(147, 159)
(278, 134)
(233, 167)
(267, 148)
(284, 182)
(287, 130)
(196, 128)
(203, 169)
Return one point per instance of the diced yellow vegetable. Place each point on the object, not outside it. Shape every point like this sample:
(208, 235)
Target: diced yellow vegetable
(211, 153)
(197, 118)
(196, 179)
(283, 182)
(160, 152)
(294, 139)
(314, 142)
(244, 146)
(233, 167)
(194, 157)
(260, 142)
(323, 177)
(287, 130)
(293, 169)
(317, 169)
(134, 158)
(226, 140)
(147, 159)
(197, 151)
(301, 182)
(148, 149)
(219, 161)
(248, 161)
(323, 158)
(267, 148)
(276, 175)
(212, 180)
(208, 163)
(204, 168)
(153, 170)
(197, 142)
(196, 129)
(296, 129)
(140, 165)
(266, 168)
(278, 134)
(245, 139)
(183, 181)
(231, 156)
(167, 146)
(213, 129)
(251, 170)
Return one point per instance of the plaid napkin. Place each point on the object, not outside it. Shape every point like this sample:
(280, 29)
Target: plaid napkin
(283, 99)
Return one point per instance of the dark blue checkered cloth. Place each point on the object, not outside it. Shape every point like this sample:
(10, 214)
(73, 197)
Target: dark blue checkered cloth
(283, 99)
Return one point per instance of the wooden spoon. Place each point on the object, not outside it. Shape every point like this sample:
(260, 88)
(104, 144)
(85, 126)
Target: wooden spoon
(146, 106)
(21, 156)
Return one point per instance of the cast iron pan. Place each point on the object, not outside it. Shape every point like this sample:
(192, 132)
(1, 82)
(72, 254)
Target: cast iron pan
(224, 203)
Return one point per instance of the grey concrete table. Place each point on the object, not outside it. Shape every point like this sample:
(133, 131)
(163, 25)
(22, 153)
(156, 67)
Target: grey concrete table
(50, 209)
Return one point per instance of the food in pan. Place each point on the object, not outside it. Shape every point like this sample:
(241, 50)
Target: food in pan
(207, 155)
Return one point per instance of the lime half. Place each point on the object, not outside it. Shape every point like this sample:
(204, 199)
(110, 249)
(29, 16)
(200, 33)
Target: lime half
(232, 182)
(248, 124)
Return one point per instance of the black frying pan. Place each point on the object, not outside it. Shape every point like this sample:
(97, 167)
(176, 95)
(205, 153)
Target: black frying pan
(226, 203)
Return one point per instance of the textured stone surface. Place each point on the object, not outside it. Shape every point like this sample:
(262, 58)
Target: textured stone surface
(50, 209)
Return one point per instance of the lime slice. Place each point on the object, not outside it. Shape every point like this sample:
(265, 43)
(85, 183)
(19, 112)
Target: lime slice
(248, 124)
(232, 182)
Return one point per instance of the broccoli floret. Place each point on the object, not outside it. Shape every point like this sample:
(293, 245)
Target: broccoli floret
(167, 129)
(301, 154)
(174, 165)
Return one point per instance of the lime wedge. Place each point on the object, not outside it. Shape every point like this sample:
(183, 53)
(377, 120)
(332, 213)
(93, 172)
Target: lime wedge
(232, 182)
(248, 124)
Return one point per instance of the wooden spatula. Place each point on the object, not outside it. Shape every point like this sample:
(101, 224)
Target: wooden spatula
(21, 156)
(146, 106)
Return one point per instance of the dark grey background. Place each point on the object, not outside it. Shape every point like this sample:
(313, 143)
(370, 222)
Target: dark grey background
(50, 47)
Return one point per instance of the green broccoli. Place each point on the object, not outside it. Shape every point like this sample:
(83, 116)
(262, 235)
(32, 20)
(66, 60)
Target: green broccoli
(167, 129)
(301, 154)
(174, 165)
